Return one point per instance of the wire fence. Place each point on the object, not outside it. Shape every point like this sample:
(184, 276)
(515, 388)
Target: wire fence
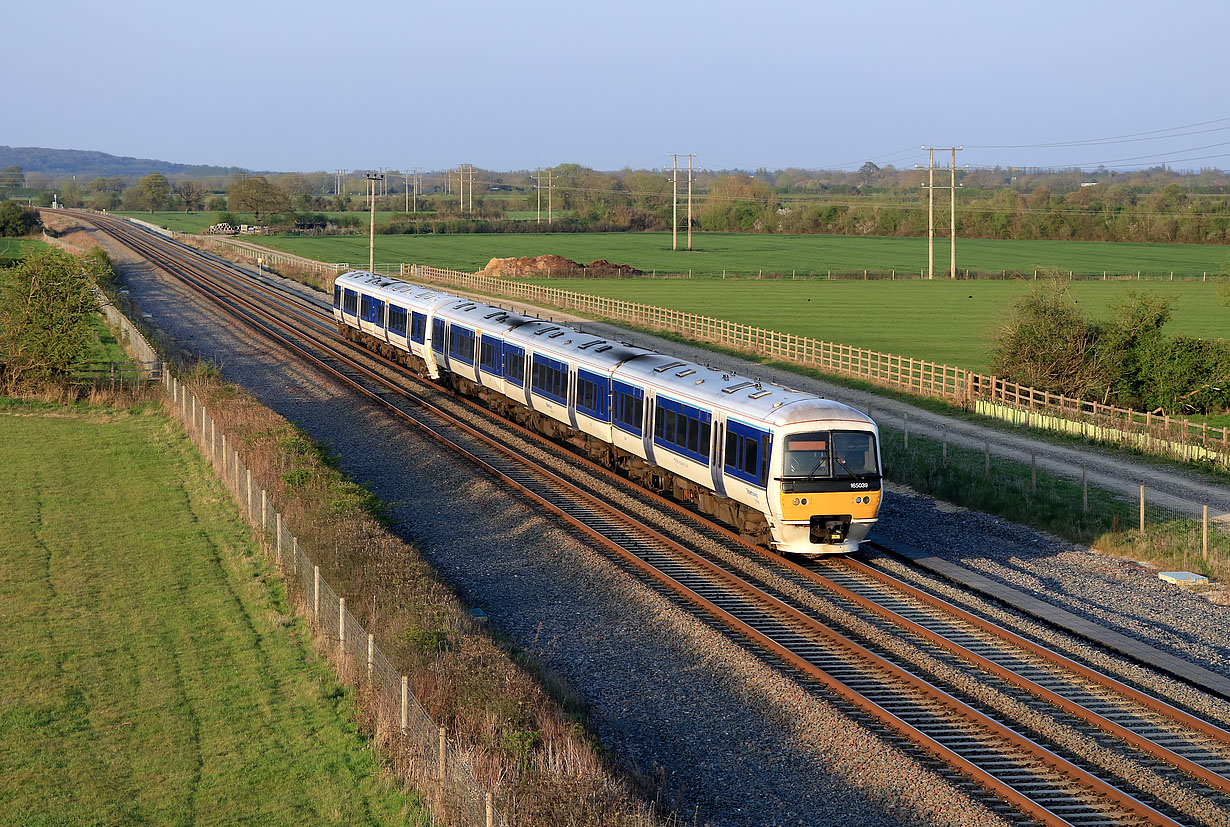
(420, 750)
(1163, 435)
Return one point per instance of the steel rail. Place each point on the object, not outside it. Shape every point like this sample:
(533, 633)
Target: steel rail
(772, 646)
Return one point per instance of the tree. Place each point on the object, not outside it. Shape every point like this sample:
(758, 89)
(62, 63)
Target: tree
(155, 191)
(44, 314)
(867, 172)
(191, 194)
(256, 195)
(16, 220)
(70, 194)
(12, 177)
(1048, 343)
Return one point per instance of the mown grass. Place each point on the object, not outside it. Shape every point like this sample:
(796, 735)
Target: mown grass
(151, 672)
(748, 254)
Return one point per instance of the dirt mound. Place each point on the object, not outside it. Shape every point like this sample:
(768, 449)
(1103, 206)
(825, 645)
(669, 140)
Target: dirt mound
(552, 266)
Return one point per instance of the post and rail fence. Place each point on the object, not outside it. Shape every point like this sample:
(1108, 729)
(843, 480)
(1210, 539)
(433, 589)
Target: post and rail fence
(992, 396)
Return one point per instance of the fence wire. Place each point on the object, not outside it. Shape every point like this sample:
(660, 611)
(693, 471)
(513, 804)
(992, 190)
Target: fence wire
(419, 746)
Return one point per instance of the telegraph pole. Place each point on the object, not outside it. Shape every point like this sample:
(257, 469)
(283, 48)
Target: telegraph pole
(675, 202)
(372, 179)
(690, 201)
(952, 205)
(550, 189)
(538, 189)
(406, 175)
(675, 199)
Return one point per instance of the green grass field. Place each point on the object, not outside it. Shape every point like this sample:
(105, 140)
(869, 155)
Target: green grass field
(151, 672)
(942, 321)
(12, 249)
(749, 254)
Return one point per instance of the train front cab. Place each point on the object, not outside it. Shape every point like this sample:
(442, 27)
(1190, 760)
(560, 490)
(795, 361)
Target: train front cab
(828, 485)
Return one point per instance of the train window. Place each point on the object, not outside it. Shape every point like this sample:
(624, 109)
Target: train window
(682, 428)
(514, 365)
(593, 394)
(397, 319)
(365, 308)
(437, 335)
(418, 327)
(549, 378)
(747, 453)
(337, 295)
(629, 404)
(489, 355)
(350, 302)
(461, 344)
(854, 453)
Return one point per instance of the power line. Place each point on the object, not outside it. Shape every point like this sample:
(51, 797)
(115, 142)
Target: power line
(1110, 139)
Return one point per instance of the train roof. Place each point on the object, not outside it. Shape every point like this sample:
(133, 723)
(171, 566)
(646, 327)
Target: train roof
(690, 382)
(575, 347)
(714, 388)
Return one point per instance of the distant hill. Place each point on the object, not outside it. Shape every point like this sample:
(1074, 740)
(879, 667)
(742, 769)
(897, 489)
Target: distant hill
(87, 163)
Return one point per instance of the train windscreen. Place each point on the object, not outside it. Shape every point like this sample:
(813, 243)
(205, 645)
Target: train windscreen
(830, 453)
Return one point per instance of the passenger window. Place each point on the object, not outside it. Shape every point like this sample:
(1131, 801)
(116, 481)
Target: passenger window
(750, 455)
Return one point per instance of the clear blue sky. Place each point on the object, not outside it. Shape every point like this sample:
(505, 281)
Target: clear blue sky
(509, 85)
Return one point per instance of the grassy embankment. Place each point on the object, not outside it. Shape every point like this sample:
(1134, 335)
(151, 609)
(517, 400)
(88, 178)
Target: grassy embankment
(748, 254)
(152, 672)
(522, 727)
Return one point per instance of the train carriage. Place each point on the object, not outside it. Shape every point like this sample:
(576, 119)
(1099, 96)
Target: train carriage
(791, 470)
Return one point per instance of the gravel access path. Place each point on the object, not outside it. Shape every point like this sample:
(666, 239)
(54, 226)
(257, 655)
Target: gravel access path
(728, 740)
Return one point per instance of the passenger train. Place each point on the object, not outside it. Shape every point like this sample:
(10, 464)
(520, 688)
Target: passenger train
(789, 470)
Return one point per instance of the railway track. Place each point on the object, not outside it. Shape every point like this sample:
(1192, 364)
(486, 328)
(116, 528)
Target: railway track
(1039, 736)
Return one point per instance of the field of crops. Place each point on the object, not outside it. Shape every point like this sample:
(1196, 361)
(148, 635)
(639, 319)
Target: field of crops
(151, 672)
(733, 253)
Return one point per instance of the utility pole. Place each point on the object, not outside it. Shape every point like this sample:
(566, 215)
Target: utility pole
(690, 202)
(550, 190)
(406, 175)
(538, 189)
(675, 199)
(373, 178)
(417, 188)
(952, 222)
(675, 202)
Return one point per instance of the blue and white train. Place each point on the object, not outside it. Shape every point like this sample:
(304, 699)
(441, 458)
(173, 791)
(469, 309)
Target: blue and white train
(789, 470)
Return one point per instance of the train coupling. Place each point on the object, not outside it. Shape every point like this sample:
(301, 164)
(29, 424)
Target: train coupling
(829, 529)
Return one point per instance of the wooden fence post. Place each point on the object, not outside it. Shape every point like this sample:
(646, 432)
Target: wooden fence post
(405, 706)
(277, 537)
(442, 753)
(371, 656)
(1142, 509)
(315, 595)
(341, 632)
(1204, 533)
(294, 550)
(248, 499)
(490, 810)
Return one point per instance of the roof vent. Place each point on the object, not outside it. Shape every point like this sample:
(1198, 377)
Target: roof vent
(665, 368)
